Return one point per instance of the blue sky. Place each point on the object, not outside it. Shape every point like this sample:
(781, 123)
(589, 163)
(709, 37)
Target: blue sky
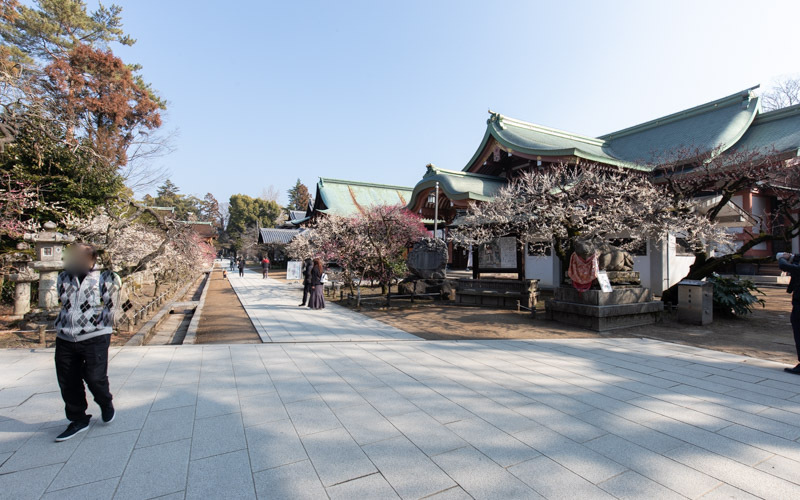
(264, 92)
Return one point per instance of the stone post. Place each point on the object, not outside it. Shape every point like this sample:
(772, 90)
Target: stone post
(49, 245)
(22, 298)
(23, 278)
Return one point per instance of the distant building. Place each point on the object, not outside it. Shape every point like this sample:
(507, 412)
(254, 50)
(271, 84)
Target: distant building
(205, 230)
(280, 236)
(348, 198)
(294, 218)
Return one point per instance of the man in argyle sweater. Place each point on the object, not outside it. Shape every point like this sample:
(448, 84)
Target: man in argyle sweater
(88, 302)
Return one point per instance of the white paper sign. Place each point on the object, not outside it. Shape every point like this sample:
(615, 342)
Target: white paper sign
(294, 270)
(605, 283)
(508, 252)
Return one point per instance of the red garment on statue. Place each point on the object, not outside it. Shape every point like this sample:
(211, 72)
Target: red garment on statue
(582, 271)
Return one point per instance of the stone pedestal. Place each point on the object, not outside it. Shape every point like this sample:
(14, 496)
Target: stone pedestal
(48, 294)
(603, 311)
(22, 298)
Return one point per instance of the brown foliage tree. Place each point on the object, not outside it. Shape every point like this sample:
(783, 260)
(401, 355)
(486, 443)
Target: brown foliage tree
(101, 100)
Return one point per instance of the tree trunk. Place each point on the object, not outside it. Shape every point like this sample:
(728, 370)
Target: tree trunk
(703, 267)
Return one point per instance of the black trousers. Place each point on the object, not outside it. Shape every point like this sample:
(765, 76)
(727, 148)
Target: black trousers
(79, 362)
(241, 271)
(306, 291)
(795, 319)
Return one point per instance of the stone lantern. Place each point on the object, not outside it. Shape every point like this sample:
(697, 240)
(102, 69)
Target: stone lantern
(23, 279)
(49, 245)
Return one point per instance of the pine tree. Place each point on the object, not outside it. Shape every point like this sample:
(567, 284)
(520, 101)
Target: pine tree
(299, 197)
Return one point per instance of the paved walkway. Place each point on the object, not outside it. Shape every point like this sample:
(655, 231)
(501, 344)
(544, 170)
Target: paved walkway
(273, 309)
(558, 419)
(618, 418)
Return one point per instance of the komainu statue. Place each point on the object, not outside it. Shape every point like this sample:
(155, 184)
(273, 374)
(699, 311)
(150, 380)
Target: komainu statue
(609, 257)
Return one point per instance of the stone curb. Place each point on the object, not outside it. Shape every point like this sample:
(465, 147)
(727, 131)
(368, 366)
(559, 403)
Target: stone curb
(144, 333)
(191, 331)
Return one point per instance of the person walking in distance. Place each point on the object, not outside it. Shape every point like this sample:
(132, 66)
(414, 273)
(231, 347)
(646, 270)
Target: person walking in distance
(791, 264)
(89, 299)
(265, 267)
(241, 267)
(316, 300)
(232, 263)
(307, 265)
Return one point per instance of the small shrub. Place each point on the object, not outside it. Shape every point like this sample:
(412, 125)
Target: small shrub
(735, 296)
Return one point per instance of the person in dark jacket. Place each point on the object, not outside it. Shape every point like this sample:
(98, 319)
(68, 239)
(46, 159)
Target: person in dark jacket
(241, 268)
(307, 265)
(316, 300)
(791, 264)
(89, 300)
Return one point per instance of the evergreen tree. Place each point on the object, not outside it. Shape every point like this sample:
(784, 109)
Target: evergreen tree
(246, 212)
(210, 211)
(299, 197)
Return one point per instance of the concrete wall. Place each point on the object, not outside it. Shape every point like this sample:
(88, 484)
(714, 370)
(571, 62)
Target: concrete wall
(641, 264)
(761, 206)
(666, 266)
(543, 268)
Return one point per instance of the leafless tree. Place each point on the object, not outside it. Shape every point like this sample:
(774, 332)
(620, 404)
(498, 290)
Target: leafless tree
(690, 174)
(270, 193)
(224, 214)
(133, 239)
(784, 92)
(565, 202)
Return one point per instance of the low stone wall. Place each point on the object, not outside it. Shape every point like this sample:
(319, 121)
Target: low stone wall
(146, 331)
(191, 332)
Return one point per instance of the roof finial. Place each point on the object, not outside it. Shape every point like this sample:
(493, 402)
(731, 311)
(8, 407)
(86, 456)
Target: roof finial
(494, 116)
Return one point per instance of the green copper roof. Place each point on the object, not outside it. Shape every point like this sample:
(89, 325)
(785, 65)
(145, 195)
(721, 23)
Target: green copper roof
(777, 130)
(345, 198)
(458, 185)
(719, 123)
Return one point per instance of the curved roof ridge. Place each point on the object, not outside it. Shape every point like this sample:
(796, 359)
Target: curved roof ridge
(777, 114)
(323, 180)
(505, 120)
(433, 170)
(686, 113)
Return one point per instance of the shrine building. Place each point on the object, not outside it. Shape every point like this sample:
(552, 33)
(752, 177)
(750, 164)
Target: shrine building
(510, 146)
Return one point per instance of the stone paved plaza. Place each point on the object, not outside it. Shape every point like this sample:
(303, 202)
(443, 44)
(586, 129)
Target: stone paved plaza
(274, 312)
(607, 418)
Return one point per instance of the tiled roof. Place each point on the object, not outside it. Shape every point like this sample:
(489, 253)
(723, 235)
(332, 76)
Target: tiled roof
(778, 130)
(273, 235)
(734, 121)
(203, 229)
(345, 198)
(296, 214)
(458, 185)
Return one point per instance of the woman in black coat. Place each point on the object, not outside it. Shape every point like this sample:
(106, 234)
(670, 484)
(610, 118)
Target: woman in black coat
(316, 301)
(791, 264)
(307, 265)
